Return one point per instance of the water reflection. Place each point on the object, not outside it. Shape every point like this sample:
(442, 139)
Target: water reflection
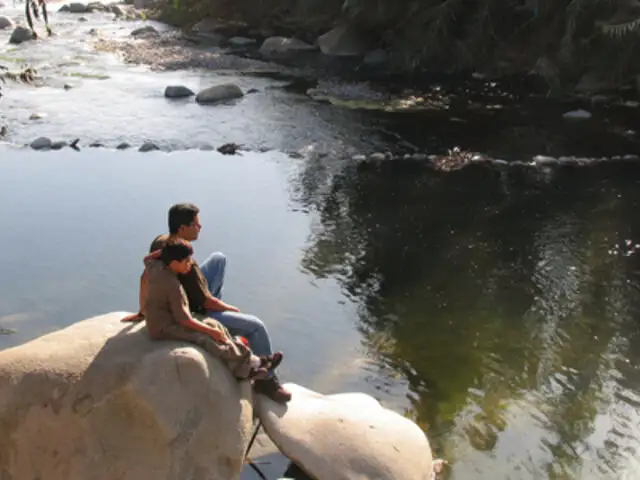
(503, 303)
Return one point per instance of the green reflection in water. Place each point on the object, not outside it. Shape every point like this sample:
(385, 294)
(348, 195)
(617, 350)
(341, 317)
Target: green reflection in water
(504, 301)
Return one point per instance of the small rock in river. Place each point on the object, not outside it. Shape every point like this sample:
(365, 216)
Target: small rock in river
(59, 145)
(37, 116)
(123, 146)
(148, 147)
(228, 149)
(577, 115)
(177, 91)
(41, 143)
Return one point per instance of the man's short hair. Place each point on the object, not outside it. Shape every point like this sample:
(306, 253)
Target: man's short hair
(176, 249)
(181, 215)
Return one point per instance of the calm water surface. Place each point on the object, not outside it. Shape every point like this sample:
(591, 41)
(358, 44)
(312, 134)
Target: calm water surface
(498, 309)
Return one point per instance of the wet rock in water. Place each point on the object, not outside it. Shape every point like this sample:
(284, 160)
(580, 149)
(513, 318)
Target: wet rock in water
(577, 115)
(96, 145)
(67, 86)
(375, 442)
(37, 116)
(177, 91)
(21, 34)
(5, 22)
(228, 148)
(143, 32)
(94, 32)
(241, 41)
(219, 93)
(544, 160)
(41, 143)
(342, 41)
(123, 146)
(109, 403)
(77, 7)
(83, 19)
(148, 147)
(59, 145)
(281, 45)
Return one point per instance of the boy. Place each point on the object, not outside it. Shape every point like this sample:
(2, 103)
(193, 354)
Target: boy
(168, 318)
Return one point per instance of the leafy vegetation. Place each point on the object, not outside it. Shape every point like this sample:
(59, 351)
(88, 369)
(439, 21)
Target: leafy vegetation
(555, 38)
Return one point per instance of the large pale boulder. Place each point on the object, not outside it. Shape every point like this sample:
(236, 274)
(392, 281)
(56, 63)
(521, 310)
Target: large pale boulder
(99, 401)
(346, 436)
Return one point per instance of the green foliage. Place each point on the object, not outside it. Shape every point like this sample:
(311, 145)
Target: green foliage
(572, 35)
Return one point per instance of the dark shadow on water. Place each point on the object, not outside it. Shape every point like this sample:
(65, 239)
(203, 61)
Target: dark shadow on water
(504, 302)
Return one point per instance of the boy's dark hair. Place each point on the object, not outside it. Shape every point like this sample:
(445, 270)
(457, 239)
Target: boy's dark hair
(181, 214)
(176, 249)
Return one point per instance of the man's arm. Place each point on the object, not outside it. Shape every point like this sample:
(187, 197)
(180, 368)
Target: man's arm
(213, 304)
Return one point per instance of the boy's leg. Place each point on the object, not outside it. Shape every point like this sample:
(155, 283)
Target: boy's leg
(235, 356)
(213, 269)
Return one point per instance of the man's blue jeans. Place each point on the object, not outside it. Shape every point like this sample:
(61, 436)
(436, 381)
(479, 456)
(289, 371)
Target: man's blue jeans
(249, 326)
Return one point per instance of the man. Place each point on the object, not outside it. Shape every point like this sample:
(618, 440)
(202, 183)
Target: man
(203, 285)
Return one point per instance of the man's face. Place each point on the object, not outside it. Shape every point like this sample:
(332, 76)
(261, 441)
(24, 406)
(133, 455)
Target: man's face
(191, 232)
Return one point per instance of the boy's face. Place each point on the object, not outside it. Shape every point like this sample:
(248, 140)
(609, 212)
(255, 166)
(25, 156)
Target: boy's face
(181, 267)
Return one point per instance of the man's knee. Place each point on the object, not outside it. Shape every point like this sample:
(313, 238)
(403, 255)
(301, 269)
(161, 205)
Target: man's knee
(217, 258)
(254, 321)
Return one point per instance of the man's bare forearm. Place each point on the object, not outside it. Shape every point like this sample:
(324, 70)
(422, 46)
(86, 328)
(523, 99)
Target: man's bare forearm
(213, 304)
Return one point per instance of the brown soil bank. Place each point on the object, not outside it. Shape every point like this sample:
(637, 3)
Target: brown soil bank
(589, 44)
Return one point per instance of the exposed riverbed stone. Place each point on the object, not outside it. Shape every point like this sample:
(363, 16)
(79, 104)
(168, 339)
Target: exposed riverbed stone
(177, 91)
(274, 46)
(21, 34)
(343, 40)
(5, 22)
(241, 41)
(145, 32)
(99, 400)
(41, 143)
(77, 7)
(219, 93)
(346, 436)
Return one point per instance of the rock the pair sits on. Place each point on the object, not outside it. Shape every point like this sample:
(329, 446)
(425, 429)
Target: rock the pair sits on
(98, 400)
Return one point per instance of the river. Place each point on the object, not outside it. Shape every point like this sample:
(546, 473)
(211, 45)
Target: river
(497, 307)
